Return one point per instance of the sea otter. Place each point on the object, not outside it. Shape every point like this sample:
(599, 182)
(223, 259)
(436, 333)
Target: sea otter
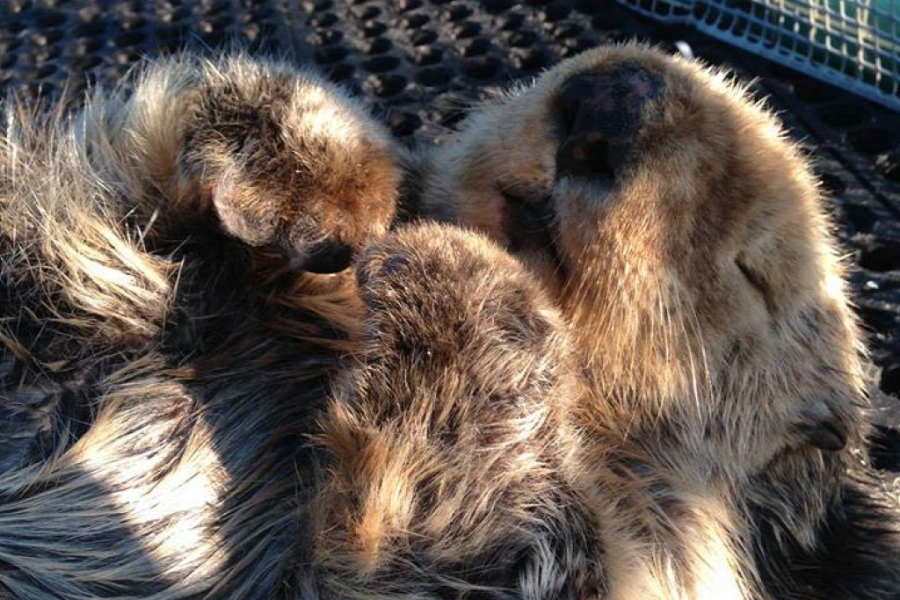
(613, 358)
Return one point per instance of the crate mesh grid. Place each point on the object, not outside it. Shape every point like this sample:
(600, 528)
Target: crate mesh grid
(853, 44)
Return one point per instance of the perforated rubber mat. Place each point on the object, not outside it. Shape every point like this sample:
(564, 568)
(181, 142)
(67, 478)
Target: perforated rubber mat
(421, 63)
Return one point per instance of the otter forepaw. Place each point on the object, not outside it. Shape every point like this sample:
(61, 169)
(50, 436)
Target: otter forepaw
(286, 159)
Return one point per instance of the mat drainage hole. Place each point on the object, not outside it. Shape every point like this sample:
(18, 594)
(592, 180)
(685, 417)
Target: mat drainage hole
(131, 38)
(46, 71)
(381, 64)
(457, 12)
(414, 21)
(815, 92)
(511, 22)
(844, 116)
(434, 76)
(340, 72)
(423, 37)
(319, 6)
(881, 258)
(47, 38)
(534, 61)
(477, 47)
(373, 28)
(860, 218)
(83, 46)
(482, 68)
(522, 39)
(84, 63)
(467, 29)
(366, 13)
(389, 85)
(495, 7)
(379, 46)
(871, 140)
(9, 45)
(91, 28)
(408, 5)
(832, 183)
(556, 12)
(51, 19)
(132, 21)
(430, 56)
(216, 8)
(328, 56)
(323, 20)
(568, 31)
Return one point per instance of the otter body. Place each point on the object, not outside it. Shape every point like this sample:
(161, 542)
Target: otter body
(614, 360)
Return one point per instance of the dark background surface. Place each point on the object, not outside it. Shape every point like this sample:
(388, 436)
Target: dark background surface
(421, 63)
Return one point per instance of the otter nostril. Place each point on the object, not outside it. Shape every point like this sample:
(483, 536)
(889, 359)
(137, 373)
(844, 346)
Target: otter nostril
(591, 155)
(568, 103)
(585, 155)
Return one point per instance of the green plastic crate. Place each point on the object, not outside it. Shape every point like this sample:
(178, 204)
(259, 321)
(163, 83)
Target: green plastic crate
(853, 44)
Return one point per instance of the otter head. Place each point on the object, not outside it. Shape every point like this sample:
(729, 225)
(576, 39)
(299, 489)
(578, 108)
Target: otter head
(448, 461)
(288, 160)
(685, 240)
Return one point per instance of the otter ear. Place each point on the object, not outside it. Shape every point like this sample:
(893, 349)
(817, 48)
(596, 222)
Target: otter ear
(242, 216)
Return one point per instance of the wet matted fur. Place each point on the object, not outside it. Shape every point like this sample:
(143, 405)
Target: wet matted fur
(633, 377)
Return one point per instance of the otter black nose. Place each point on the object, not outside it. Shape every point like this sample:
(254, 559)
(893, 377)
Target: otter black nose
(601, 115)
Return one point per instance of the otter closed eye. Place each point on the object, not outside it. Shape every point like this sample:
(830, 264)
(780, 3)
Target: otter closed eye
(757, 282)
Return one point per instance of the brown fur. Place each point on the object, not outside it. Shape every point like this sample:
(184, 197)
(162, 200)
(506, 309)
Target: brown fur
(140, 349)
(451, 464)
(281, 157)
(622, 403)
